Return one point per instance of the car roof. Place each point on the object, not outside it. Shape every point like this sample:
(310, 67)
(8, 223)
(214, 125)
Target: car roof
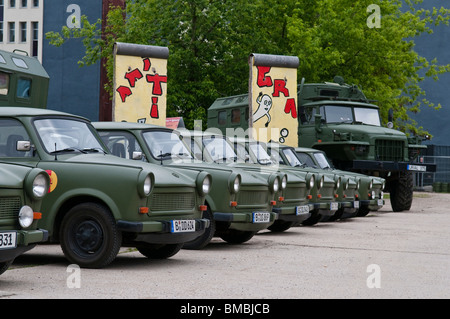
(15, 111)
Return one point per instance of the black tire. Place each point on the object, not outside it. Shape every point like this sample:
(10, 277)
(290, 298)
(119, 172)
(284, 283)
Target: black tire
(89, 236)
(280, 226)
(5, 265)
(401, 192)
(363, 211)
(205, 238)
(159, 251)
(313, 219)
(233, 236)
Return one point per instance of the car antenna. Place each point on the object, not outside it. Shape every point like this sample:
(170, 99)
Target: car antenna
(160, 157)
(56, 157)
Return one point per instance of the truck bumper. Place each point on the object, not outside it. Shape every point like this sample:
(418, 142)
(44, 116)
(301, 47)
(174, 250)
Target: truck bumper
(372, 204)
(393, 166)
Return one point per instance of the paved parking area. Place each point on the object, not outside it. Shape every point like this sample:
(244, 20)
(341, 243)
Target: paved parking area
(382, 255)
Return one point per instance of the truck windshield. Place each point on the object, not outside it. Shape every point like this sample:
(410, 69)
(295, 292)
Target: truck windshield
(349, 114)
(66, 135)
(164, 145)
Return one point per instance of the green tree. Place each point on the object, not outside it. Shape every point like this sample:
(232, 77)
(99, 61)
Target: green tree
(209, 43)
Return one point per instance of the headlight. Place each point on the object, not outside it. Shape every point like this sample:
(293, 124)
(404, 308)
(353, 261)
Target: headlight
(371, 184)
(346, 184)
(311, 182)
(338, 183)
(206, 185)
(284, 182)
(276, 185)
(234, 183)
(145, 183)
(40, 186)
(383, 185)
(26, 216)
(203, 183)
(320, 184)
(358, 183)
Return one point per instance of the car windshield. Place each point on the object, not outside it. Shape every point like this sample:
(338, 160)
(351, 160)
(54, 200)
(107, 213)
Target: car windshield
(291, 157)
(164, 145)
(260, 153)
(321, 160)
(219, 149)
(349, 114)
(67, 135)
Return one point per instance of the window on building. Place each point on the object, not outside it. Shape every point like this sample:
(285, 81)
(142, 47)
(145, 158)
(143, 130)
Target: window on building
(12, 31)
(23, 32)
(35, 3)
(24, 3)
(12, 3)
(35, 39)
(1, 31)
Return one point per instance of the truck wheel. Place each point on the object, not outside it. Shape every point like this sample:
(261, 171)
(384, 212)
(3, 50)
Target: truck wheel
(205, 239)
(4, 266)
(401, 192)
(280, 226)
(363, 211)
(157, 251)
(233, 236)
(89, 236)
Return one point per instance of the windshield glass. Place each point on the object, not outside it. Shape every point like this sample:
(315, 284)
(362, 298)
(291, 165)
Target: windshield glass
(66, 135)
(219, 149)
(291, 157)
(121, 143)
(260, 153)
(321, 160)
(164, 145)
(349, 114)
(367, 116)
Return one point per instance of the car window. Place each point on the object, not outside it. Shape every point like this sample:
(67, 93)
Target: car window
(12, 132)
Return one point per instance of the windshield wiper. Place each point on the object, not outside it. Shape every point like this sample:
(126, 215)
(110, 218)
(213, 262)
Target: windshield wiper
(94, 149)
(68, 149)
(164, 155)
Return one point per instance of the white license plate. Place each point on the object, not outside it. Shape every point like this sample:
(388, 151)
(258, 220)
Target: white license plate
(8, 240)
(418, 168)
(261, 217)
(301, 209)
(380, 202)
(334, 206)
(355, 204)
(182, 226)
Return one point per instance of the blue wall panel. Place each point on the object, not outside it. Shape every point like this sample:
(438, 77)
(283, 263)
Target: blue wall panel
(73, 89)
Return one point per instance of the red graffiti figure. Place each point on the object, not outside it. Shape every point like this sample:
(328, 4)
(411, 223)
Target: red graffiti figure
(133, 76)
(156, 79)
(263, 80)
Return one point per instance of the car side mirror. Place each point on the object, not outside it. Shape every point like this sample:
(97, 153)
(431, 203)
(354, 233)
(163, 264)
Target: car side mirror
(137, 155)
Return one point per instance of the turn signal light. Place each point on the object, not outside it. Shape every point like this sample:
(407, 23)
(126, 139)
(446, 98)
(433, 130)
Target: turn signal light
(281, 199)
(319, 195)
(356, 195)
(336, 195)
(233, 204)
(203, 208)
(272, 202)
(37, 215)
(143, 210)
(309, 196)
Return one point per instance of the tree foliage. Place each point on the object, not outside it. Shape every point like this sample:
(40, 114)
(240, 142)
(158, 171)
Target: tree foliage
(210, 40)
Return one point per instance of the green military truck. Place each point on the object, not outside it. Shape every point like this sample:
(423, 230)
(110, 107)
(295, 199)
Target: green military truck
(22, 188)
(338, 119)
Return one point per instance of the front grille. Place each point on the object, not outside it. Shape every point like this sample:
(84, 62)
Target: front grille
(389, 150)
(291, 193)
(252, 198)
(327, 192)
(172, 201)
(9, 207)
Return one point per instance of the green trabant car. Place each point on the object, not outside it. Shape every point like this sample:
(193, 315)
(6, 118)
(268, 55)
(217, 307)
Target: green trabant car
(102, 202)
(22, 188)
(322, 188)
(239, 203)
(370, 192)
(290, 202)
